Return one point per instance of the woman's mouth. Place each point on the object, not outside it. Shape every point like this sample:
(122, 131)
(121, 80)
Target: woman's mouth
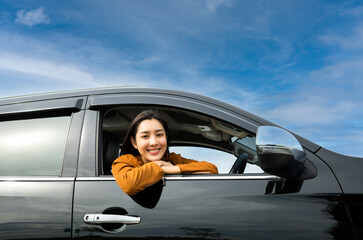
(154, 151)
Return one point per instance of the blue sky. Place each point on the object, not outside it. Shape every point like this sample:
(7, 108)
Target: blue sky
(296, 63)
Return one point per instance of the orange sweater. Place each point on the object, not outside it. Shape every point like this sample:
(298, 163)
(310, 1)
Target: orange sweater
(133, 175)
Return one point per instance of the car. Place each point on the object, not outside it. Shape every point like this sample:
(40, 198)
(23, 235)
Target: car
(56, 152)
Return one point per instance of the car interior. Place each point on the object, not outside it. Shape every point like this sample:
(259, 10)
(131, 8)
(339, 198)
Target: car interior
(186, 128)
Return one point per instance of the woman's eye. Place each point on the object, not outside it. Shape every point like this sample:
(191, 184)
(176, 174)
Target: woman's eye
(144, 136)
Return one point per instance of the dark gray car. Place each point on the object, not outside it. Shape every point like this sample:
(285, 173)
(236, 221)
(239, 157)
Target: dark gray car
(56, 152)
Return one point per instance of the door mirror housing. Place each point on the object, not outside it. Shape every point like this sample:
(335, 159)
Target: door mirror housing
(279, 152)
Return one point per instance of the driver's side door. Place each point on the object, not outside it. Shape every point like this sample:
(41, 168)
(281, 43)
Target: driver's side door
(223, 206)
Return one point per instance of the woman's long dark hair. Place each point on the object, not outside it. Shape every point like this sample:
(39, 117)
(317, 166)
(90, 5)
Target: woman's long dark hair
(127, 147)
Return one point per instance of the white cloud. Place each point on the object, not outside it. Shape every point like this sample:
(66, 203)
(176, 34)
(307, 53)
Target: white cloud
(351, 12)
(43, 68)
(32, 17)
(352, 41)
(312, 111)
(212, 5)
(340, 73)
(38, 60)
(323, 121)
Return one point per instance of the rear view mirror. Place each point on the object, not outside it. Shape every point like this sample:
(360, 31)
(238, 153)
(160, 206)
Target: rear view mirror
(279, 152)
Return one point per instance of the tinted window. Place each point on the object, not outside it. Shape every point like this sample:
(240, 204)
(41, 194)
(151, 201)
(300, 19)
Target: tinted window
(33, 147)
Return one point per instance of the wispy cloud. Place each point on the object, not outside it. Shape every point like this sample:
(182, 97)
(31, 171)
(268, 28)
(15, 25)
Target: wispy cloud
(350, 12)
(32, 17)
(354, 40)
(44, 68)
(213, 5)
(347, 36)
(340, 73)
(312, 111)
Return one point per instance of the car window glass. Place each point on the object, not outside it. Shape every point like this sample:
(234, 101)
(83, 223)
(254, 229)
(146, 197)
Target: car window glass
(33, 147)
(224, 161)
(249, 142)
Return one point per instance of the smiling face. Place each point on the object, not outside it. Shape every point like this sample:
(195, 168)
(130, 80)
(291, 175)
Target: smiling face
(150, 140)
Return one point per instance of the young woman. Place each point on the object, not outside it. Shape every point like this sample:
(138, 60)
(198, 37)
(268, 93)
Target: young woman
(145, 156)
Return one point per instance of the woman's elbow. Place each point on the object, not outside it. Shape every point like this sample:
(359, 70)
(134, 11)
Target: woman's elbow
(127, 186)
(129, 190)
(213, 169)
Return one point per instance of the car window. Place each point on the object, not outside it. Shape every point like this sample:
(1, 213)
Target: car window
(33, 147)
(191, 134)
(224, 161)
(249, 142)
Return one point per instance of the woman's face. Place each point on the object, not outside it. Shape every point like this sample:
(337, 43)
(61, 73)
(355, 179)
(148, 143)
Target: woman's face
(150, 140)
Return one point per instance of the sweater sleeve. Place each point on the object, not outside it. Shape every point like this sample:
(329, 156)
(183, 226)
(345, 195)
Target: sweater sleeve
(133, 178)
(190, 166)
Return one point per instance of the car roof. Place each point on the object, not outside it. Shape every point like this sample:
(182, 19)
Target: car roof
(115, 90)
(137, 90)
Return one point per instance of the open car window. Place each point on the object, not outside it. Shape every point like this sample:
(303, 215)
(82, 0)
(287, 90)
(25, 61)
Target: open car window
(224, 161)
(193, 135)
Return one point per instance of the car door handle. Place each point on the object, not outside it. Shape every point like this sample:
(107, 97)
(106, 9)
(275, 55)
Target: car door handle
(99, 218)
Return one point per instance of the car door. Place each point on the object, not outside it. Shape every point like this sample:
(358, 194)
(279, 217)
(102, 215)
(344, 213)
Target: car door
(38, 154)
(222, 206)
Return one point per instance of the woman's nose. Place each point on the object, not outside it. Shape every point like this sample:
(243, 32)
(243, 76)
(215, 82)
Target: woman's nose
(153, 140)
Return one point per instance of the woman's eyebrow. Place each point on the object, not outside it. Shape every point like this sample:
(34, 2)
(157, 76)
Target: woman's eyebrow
(143, 132)
(158, 130)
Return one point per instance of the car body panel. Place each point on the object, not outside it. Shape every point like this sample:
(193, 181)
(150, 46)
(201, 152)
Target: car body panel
(36, 208)
(341, 166)
(350, 179)
(235, 208)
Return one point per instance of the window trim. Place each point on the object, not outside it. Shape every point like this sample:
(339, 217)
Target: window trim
(63, 104)
(36, 179)
(97, 102)
(196, 177)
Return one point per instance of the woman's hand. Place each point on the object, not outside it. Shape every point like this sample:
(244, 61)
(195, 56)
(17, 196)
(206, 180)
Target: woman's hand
(171, 169)
(163, 163)
(168, 167)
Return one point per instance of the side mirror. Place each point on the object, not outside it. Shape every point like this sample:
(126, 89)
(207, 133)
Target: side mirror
(279, 152)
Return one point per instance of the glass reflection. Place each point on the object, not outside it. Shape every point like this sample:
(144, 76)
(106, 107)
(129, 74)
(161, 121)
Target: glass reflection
(33, 147)
(268, 135)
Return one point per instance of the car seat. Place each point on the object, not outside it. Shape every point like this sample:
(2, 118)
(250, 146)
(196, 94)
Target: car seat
(111, 151)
